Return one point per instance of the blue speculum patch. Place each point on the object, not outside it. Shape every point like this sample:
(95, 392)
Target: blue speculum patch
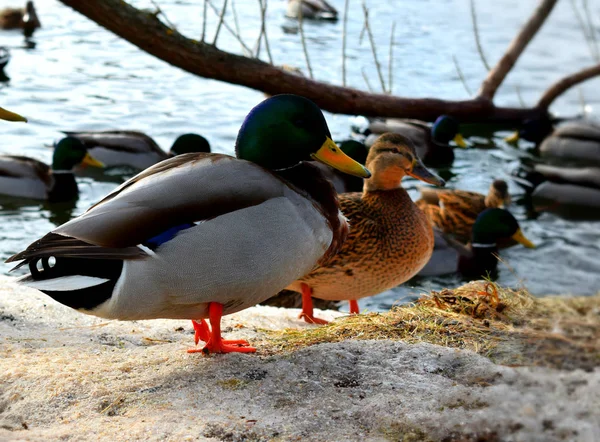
(154, 242)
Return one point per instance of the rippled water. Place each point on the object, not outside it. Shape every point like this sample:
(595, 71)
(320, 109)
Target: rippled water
(80, 76)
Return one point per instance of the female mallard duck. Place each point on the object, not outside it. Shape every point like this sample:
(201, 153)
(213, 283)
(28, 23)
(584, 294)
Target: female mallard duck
(431, 142)
(390, 238)
(343, 182)
(202, 235)
(11, 116)
(25, 177)
(479, 258)
(311, 9)
(20, 18)
(572, 193)
(575, 142)
(133, 149)
(455, 211)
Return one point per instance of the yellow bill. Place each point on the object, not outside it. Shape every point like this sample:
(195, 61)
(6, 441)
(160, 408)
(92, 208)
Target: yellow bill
(520, 238)
(10, 116)
(89, 160)
(332, 155)
(460, 141)
(512, 138)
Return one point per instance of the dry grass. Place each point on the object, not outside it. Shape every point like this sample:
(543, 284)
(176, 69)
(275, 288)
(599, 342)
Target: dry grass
(509, 326)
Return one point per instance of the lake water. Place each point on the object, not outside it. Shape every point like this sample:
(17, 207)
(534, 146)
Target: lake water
(79, 76)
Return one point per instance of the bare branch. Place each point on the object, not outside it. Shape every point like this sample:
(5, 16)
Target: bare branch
(304, 48)
(160, 11)
(590, 23)
(519, 96)
(364, 74)
(565, 83)
(461, 76)
(344, 28)
(391, 60)
(231, 31)
(204, 11)
(587, 28)
(221, 18)
(477, 39)
(373, 48)
(263, 27)
(499, 72)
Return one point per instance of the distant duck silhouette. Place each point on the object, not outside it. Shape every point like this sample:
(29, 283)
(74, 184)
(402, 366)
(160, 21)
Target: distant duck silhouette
(575, 142)
(118, 148)
(311, 9)
(4, 59)
(571, 193)
(20, 18)
(431, 141)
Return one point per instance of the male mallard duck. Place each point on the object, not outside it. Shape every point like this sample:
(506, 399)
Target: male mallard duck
(26, 177)
(431, 142)
(343, 182)
(11, 116)
(20, 18)
(575, 142)
(455, 211)
(135, 149)
(479, 258)
(311, 9)
(572, 193)
(202, 235)
(390, 238)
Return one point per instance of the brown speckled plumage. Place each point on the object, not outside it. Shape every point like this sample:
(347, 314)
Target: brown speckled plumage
(455, 211)
(390, 239)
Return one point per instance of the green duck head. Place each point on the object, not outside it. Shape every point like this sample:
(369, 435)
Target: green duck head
(70, 152)
(446, 129)
(285, 130)
(493, 225)
(189, 143)
(10, 116)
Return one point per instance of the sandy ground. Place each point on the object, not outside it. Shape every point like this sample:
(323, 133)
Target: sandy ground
(67, 376)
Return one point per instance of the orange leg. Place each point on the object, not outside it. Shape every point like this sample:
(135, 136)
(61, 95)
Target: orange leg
(202, 332)
(215, 344)
(354, 307)
(307, 307)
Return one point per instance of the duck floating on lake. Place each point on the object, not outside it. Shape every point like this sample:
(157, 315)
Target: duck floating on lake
(20, 18)
(478, 258)
(134, 149)
(390, 238)
(431, 141)
(203, 235)
(575, 143)
(24, 177)
(455, 211)
(311, 9)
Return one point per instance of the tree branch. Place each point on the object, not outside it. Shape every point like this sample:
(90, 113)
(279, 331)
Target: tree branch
(202, 59)
(565, 83)
(497, 75)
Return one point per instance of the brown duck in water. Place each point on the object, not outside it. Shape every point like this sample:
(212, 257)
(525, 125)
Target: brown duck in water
(390, 239)
(20, 18)
(455, 211)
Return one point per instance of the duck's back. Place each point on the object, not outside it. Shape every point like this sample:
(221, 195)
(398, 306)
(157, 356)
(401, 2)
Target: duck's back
(24, 177)
(390, 240)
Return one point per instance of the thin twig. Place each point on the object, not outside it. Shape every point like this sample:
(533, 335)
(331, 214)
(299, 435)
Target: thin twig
(221, 19)
(590, 23)
(231, 31)
(263, 28)
(461, 76)
(373, 49)
(477, 39)
(204, 21)
(344, 27)
(160, 11)
(585, 30)
(306, 57)
(366, 80)
(391, 59)
(237, 25)
(519, 96)
(582, 101)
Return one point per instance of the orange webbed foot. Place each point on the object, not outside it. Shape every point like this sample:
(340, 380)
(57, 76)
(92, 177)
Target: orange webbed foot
(307, 307)
(310, 319)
